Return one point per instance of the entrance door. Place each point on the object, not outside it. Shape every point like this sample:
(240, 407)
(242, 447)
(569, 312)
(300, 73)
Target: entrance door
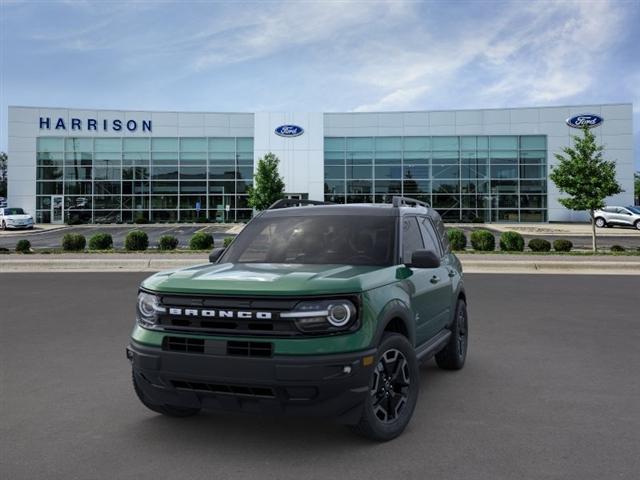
(57, 209)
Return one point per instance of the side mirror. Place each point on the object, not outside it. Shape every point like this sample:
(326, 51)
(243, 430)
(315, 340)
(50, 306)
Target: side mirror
(424, 259)
(215, 254)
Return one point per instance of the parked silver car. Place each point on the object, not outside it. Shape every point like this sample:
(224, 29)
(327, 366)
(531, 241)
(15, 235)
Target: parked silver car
(625, 216)
(15, 218)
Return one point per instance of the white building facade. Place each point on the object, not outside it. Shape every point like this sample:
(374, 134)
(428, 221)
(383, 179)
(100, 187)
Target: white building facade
(110, 166)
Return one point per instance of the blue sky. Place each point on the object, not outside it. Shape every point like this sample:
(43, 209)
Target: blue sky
(318, 55)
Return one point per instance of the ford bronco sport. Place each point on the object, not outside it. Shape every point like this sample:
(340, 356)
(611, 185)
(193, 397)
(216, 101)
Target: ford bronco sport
(312, 310)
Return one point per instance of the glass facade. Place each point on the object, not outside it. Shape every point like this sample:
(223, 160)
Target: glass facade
(466, 178)
(110, 180)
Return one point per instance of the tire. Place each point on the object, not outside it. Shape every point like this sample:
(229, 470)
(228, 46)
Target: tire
(454, 354)
(4, 225)
(637, 224)
(393, 393)
(168, 410)
(601, 222)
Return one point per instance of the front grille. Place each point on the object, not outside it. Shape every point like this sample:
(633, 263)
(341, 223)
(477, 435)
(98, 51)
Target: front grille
(249, 349)
(217, 347)
(183, 344)
(244, 390)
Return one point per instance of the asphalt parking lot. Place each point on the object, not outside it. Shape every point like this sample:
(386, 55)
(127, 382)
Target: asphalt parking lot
(53, 238)
(550, 391)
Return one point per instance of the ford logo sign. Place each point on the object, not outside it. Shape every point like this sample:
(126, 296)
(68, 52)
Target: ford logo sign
(289, 131)
(583, 120)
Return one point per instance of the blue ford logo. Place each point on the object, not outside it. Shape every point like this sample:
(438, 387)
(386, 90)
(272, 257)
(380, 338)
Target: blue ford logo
(583, 120)
(289, 131)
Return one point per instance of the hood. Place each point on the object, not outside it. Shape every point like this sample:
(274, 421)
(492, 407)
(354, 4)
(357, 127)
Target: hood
(271, 279)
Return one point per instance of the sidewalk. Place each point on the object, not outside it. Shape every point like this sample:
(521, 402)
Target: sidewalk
(546, 229)
(472, 263)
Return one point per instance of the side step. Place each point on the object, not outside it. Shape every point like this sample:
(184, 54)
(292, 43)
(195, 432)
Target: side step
(433, 346)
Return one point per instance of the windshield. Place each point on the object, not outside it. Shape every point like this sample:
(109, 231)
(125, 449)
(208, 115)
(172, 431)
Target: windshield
(331, 239)
(13, 211)
(634, 209)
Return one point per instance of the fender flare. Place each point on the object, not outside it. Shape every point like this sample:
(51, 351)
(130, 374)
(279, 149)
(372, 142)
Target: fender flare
(392, 310)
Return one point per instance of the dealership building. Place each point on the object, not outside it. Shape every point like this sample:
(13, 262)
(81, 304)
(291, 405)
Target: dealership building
(108, 166)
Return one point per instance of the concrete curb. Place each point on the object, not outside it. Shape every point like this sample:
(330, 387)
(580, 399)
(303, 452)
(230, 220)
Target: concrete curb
(26, 264)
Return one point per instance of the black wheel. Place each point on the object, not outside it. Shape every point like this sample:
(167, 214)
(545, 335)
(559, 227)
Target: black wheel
(4, 225)
(637, 224)
(600, 222)
(393, 391)
(454, 354)
(169, 410)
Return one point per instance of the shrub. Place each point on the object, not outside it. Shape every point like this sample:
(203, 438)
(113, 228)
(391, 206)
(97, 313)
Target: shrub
(4, 250)
(457, 239)
(562, 245)
(201, 241)
(136, 240)
(142, 220)
(617, 248)
(511, 242)
(23, 246)
(539, 245)
(167, 242)
(483, 240)
(73, 242)
(227, 241)
(101, 241)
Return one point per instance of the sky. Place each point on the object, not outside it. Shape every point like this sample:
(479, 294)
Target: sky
(318, 55)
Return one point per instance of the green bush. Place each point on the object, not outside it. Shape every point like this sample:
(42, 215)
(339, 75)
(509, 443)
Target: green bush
(483, 240)
(511, 242)
(539, 245)
(617, 248)
(23, 246)
(101, 241)
(142, 220)
(167, 242)
(562, 245)
(457, 239)
(136, 240)
(73, 242)
(201, 241)
(227, 241)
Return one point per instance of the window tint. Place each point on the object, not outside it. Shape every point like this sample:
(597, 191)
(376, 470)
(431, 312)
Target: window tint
(318, 239)
(411, 238)
(429, 235)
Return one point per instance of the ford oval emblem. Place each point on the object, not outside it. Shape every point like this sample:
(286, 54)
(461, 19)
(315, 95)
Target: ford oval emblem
(588, 120)
(289, 131)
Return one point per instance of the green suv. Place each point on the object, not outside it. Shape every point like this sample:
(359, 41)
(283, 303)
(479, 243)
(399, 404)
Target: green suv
(314, 309)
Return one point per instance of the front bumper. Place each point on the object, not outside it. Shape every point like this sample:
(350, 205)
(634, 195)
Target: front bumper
(320, 385)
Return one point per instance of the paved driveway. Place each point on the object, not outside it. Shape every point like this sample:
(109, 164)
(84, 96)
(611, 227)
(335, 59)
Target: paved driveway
(550, 391)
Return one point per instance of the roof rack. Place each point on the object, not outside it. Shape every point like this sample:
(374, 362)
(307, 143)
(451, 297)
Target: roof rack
(295, 202)
(408, 202)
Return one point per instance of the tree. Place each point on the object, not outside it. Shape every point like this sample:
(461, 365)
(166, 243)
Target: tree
(585, 176)
(636, 187)
(3, 174)
(268, 185)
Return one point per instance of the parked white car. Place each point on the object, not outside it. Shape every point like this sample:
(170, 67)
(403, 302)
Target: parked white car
(15, 218)
(625, 216)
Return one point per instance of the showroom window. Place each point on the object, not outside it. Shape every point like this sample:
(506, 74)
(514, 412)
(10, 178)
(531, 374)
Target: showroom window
(109, 180)
(466, 178)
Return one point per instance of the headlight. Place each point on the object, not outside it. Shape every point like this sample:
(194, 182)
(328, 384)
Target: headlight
(148, 308)
(323, 316)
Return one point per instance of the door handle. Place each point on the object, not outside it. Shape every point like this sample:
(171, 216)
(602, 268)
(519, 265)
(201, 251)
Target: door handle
(435, 279)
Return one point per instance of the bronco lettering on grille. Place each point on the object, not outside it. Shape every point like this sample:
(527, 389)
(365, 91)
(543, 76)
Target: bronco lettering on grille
(241, 314)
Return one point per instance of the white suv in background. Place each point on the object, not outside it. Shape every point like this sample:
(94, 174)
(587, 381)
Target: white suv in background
(15, 218)
(610, 216)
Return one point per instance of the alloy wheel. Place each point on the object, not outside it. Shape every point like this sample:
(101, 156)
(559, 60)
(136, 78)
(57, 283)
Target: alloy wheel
(390, 389)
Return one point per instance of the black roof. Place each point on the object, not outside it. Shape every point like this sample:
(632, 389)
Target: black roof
(369, 209)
